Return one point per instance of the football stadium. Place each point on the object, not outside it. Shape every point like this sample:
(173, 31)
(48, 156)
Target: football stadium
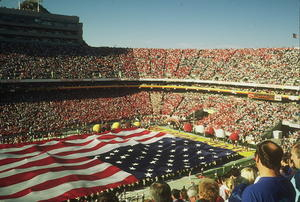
(83, 123)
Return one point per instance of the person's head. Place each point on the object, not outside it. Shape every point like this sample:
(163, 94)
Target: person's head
(295, 155)
(208, 189)
(233, 173)
(183, 194)
(285, 159)
(176, 194)
(192, 193)
(160, 192)
(248, 175)
(268, 155)
(229, 182)
(107, 197)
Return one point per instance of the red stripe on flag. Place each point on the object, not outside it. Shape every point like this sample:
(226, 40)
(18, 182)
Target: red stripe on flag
(59, 169)
(17, 178)
(91, 190)
(107, 173)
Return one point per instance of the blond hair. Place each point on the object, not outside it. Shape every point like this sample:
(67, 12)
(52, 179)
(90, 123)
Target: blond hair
(248, 175)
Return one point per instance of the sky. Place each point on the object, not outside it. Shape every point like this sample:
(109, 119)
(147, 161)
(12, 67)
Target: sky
(200, 24)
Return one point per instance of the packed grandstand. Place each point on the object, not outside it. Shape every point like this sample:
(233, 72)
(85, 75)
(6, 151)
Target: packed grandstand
(54, 93)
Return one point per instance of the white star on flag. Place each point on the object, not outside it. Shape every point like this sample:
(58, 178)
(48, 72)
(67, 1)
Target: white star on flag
(168, 170)
(148, 174)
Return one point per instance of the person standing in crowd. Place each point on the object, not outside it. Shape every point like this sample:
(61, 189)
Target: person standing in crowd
(295, 157)
(183, 194)
(226, 188)
(209, 191)
(286, 169)
(246, 178)
(160, 192)
(271, 186)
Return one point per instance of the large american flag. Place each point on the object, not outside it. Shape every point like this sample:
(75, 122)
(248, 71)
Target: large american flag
(80, 165)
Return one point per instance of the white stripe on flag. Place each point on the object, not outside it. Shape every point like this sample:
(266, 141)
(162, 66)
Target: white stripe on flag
(36, 168)
(50, 176)
(63, 188)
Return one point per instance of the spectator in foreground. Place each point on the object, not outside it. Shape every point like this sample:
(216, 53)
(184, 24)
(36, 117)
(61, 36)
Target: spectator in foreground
(226, 188)
(295, 157)
(192, 193)
(160, 192)
(247, 177)
(271, 186)
(183, 194)
(286, 169)
(209, 191)
(176, 195)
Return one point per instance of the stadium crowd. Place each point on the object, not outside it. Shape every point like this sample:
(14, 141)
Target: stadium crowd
(37, 61)
(72, 109)
(40, 112)
(233, 114)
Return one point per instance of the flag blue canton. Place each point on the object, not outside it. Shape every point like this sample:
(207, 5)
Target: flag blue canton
(165, 156)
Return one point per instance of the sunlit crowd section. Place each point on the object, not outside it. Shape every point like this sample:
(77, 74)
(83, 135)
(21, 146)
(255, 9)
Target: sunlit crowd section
(42, 61)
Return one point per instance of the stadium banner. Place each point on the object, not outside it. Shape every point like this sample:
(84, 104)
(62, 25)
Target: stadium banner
(79, 165)
(261, 96)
